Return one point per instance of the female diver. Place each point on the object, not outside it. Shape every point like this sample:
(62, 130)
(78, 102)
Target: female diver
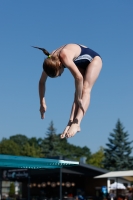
(85, 65)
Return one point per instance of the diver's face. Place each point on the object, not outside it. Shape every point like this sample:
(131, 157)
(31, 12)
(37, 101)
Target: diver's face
(61, 70)
(59, 73)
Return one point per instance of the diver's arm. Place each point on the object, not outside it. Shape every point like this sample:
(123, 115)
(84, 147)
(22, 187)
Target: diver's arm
(67, 60)
(42, 89)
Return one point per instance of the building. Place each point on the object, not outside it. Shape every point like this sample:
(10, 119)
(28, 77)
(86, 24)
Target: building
(71, 179)
(55, 181)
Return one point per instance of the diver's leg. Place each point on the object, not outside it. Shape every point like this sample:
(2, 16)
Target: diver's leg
(91, 75)
(72, 117)
(74, 111)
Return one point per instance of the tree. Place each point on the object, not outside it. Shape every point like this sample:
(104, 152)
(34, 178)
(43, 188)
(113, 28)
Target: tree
(50, 145)
(31, 150)
(19, 139)
(54, 146)
(86, 152)
(36, 142)
(9, 147)
(97, 158)
(76, 152)
(117, 155)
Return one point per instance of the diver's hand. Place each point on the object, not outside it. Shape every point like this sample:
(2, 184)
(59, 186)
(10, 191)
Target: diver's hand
(43, 108)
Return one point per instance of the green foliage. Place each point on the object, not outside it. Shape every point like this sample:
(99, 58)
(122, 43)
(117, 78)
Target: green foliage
(117, 155)
(9, 147)
(50, 146)
(31, 150)
(75, 152)
(19, 139)
(97, 158)
(12, 190)
(36, 142)
(21, 145)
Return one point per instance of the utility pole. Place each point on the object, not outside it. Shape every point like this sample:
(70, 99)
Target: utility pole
(60, 183)
(61, 157)
(28, 187)
(0, 183)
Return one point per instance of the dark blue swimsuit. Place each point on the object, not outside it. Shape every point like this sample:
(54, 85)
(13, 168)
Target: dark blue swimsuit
(86, 56)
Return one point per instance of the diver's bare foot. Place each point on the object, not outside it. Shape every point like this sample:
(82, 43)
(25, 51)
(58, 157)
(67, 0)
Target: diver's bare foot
(63, 135)
(73, 130)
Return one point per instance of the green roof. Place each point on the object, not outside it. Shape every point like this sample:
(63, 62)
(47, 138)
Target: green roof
(8, 161)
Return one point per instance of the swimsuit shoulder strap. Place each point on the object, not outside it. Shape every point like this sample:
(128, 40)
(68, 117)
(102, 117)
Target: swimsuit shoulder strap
(60, 50)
